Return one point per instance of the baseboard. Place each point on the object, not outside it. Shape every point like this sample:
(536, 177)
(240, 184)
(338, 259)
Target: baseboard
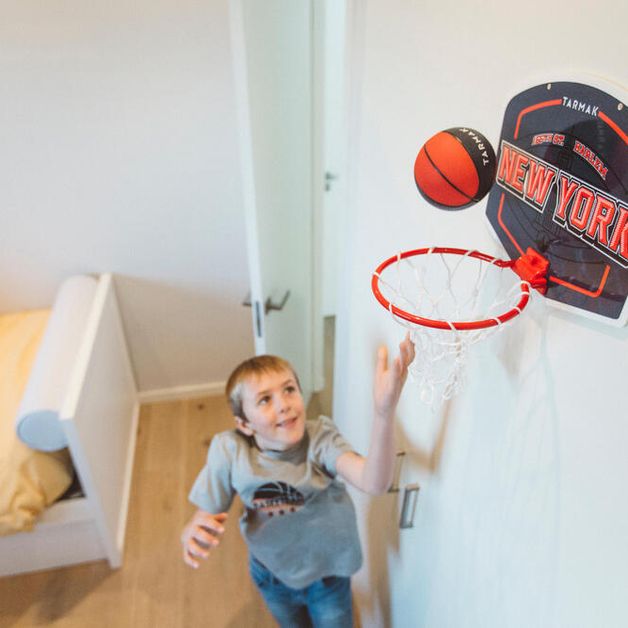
(176, 393)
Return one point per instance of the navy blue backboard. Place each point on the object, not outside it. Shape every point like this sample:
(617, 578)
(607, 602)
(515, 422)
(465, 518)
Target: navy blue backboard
(561, 189)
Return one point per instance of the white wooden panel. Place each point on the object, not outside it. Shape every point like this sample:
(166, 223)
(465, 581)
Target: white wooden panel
(65, 535)
(100, 419)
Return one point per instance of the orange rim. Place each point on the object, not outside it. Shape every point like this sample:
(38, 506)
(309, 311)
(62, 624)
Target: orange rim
(441, 324)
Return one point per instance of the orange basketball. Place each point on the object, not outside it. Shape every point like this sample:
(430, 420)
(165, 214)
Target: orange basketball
(455, 168)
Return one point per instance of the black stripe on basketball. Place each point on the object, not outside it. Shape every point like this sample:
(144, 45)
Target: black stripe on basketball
(482, 155)
(442, 174)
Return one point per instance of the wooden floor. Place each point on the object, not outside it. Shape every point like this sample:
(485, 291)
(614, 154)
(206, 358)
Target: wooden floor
(154, 588)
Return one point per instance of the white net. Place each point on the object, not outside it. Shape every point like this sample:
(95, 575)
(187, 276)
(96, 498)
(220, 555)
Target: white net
(451, 290)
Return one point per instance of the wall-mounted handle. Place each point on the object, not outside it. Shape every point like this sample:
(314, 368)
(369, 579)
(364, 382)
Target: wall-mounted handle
(408, 507)
(394, 486)
(269, 305)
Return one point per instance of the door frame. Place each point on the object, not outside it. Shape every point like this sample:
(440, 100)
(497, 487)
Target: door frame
(240, 71)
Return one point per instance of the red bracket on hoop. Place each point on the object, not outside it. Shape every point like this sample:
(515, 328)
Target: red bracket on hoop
(533, 268)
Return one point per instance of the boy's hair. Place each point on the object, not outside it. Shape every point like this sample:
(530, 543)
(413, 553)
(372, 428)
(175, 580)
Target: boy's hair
(253, 367)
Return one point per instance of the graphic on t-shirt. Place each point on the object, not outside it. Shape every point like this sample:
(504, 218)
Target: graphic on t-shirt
(277, 498)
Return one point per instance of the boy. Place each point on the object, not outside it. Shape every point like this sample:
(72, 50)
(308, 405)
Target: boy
(299, 522)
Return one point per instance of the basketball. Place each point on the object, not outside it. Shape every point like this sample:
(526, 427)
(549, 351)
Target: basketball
(455, 168)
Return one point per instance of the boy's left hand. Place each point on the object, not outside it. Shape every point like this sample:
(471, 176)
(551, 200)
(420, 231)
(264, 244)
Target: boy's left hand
(389, 381)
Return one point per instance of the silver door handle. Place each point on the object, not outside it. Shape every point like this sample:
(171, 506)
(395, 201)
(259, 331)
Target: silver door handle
(408, 507)
(268, 305)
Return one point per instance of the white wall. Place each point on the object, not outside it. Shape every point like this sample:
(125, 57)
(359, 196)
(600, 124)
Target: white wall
(118, 153)
(522, 515)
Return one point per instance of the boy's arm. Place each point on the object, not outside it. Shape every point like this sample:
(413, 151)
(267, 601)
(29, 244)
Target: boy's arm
(200, 534)
(373, 474)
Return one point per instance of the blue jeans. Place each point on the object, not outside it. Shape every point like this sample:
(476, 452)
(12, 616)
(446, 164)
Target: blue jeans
(325, 603)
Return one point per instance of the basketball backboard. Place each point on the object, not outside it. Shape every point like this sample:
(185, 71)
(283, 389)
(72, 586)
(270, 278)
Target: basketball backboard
(562, 189)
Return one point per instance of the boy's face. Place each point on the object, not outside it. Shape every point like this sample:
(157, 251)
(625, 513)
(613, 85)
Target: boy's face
(274, 409)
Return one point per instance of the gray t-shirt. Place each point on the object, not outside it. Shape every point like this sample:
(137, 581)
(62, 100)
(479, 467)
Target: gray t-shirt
(299, 520)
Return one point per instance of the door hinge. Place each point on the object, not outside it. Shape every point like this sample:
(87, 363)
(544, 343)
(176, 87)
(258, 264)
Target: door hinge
(329, 177)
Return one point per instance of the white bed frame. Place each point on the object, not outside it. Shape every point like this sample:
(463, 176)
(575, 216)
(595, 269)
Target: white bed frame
(99, 417)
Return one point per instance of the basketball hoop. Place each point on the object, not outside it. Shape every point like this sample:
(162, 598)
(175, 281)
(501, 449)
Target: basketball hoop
(449, 299)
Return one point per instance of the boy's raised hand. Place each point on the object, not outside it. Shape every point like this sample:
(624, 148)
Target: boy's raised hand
(201, 534)
(389, 381)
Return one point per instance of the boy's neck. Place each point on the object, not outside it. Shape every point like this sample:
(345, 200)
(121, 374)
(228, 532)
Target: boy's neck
(270, 450)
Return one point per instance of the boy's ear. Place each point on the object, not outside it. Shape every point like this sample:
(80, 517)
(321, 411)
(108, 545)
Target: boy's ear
(243, 426)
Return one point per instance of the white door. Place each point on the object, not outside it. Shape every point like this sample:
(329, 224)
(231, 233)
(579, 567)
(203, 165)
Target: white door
(272, 44)
(330, 51)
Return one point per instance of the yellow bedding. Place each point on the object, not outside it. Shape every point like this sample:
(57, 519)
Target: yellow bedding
(29, 480)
